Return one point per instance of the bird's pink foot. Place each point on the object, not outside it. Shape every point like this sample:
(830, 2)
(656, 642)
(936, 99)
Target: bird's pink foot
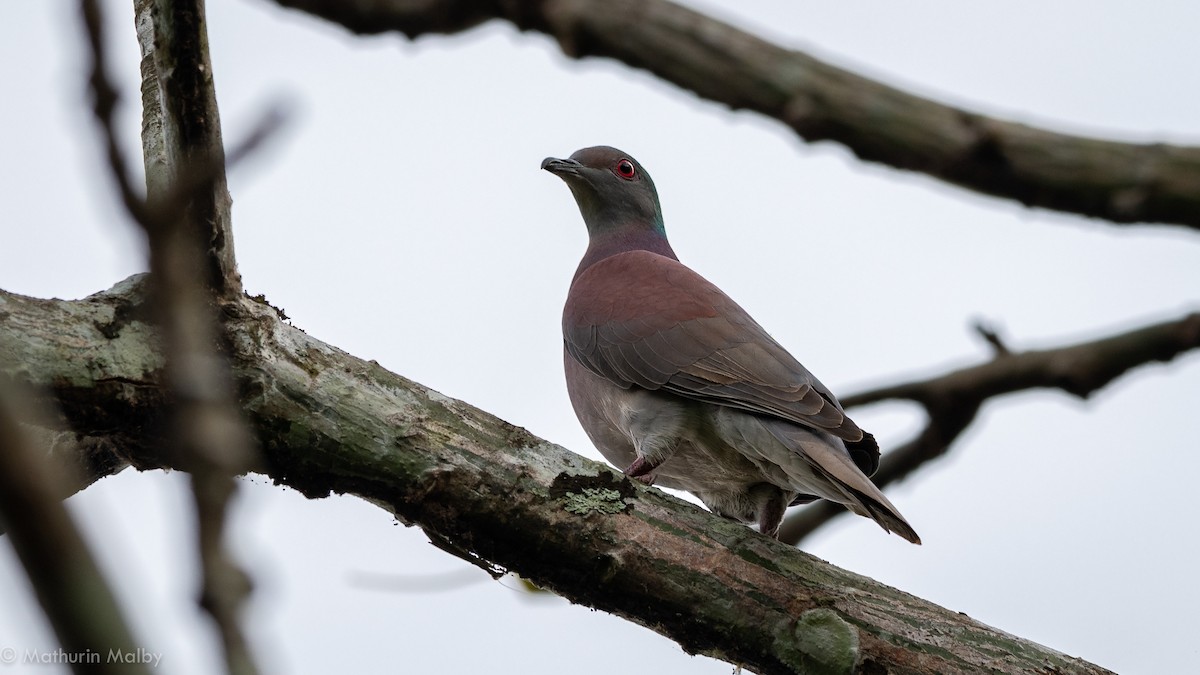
(641, 469)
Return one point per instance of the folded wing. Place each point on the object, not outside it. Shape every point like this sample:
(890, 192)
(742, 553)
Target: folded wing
(641, 319)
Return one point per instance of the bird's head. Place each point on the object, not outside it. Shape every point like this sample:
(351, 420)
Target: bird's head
(613, 191)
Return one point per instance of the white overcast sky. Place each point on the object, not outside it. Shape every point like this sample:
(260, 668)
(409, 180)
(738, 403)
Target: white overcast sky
(403, 218)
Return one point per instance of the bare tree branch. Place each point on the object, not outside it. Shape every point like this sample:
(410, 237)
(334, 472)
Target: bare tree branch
(1079, 369)
(181, 128)
(73, 593)
(332, 423)
(1119, 182)
(952, 400)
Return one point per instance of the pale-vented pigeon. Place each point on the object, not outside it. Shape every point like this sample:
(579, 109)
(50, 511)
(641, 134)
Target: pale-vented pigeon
(678, 385)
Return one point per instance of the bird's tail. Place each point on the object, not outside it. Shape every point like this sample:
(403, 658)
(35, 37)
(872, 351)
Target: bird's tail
(881, 511)
(838, 478)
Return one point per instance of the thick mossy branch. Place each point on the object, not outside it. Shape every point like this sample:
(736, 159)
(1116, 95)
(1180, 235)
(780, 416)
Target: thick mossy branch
(332, 423)
(1119, 182)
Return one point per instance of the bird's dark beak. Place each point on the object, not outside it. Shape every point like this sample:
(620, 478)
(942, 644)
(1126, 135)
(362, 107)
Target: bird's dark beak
(559, 167)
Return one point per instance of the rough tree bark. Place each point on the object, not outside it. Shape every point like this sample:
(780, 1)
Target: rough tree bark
(500, 497)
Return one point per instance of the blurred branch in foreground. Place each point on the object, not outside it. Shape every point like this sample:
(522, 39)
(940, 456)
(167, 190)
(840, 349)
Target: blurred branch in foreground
(73, 593)
(185, 216)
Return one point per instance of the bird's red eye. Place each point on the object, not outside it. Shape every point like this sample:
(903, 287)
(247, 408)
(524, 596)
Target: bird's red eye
(625, 169)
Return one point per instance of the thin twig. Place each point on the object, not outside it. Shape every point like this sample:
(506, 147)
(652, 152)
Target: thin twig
(104, 106)
(992, 337)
